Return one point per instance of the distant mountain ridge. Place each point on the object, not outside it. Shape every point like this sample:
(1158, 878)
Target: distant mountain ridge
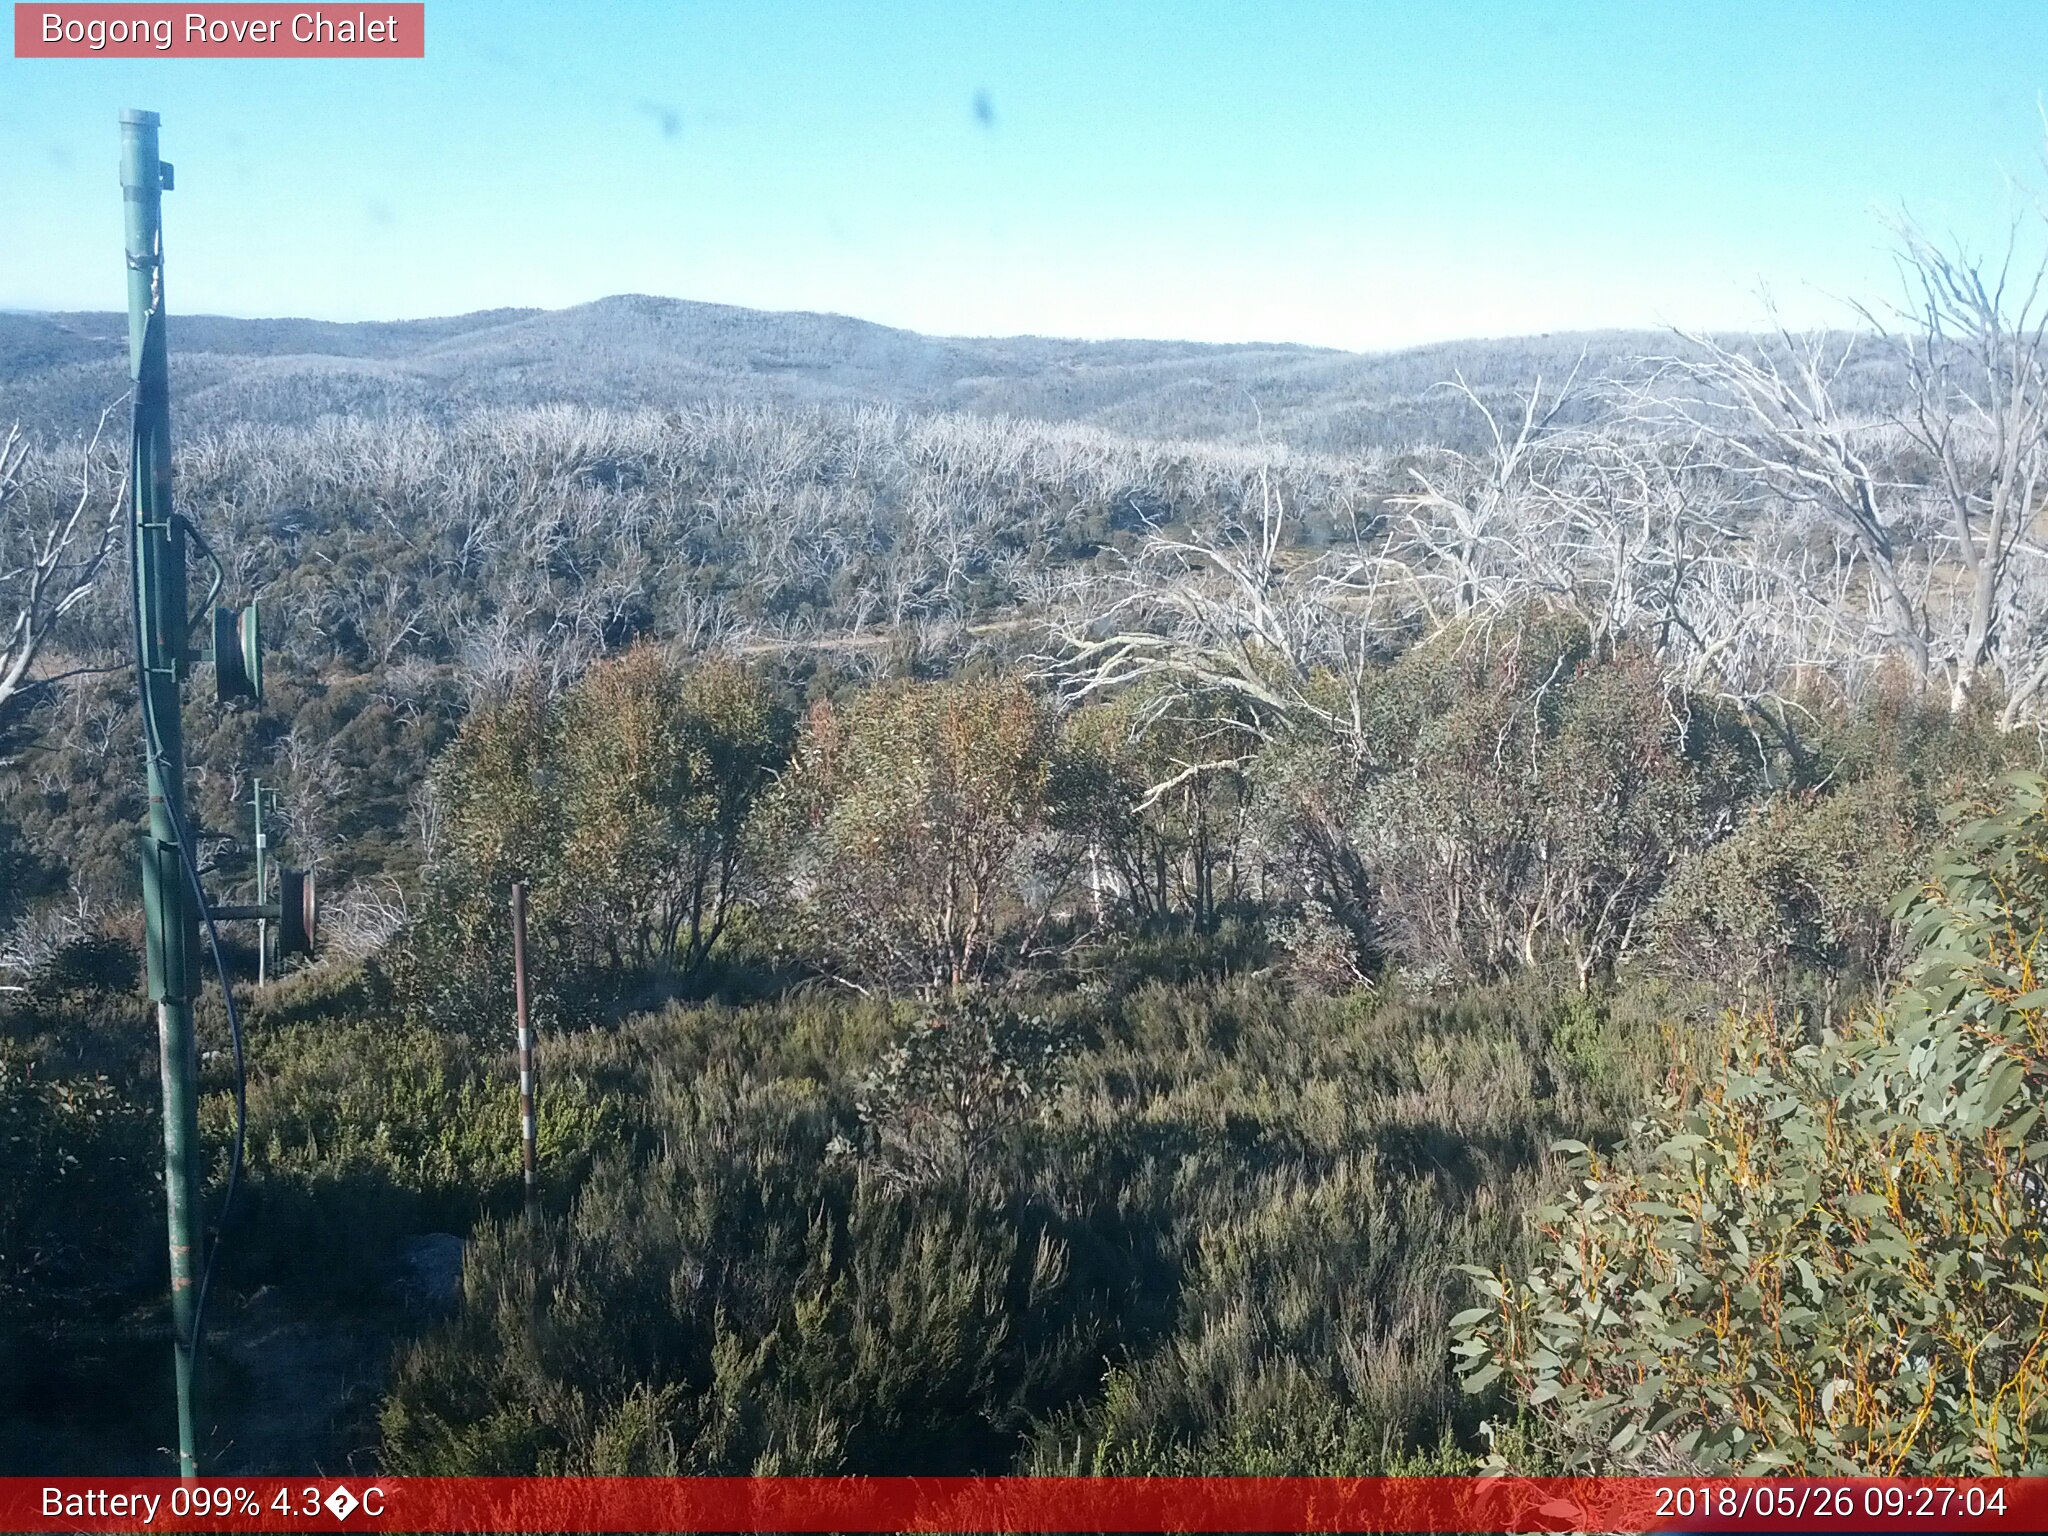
(58, 370)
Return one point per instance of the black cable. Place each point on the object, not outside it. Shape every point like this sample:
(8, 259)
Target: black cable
(181, 834)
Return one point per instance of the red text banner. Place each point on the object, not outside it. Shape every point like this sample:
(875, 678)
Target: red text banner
(236, 31)
(1025, 1504)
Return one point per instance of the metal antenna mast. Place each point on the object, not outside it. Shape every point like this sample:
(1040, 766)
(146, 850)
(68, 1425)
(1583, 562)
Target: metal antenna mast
(174, 901)
(169, 912)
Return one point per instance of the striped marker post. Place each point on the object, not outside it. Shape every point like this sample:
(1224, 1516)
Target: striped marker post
(529, 1151)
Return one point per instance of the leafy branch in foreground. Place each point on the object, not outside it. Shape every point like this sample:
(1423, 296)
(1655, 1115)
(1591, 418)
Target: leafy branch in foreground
(1823, 1255)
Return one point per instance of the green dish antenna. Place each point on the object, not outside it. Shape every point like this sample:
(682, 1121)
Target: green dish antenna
(238, 654)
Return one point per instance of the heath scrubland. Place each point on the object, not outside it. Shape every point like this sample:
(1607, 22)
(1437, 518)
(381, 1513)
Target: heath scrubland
(1071, 949)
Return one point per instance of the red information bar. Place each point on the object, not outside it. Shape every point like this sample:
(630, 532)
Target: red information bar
(1025, 1504)
(372, 30)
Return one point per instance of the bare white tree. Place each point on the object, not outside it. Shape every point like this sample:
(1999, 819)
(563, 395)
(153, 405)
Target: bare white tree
(1977, 413)
(36, 938)
(53, 546)
(1243, 613)
(1931, 554)
(1770, 417)
(1482, 530)
(364, 917)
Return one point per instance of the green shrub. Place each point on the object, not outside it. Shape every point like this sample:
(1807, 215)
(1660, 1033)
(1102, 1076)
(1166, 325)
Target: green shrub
(1820, 1254)
(382, 1130)
(1804, 887)
(917, 833)
(76, 1189)
(740, 1304)
(1520, 796)
(622, 804)
(944, 1097)
(1156, 789)
(1291, 1424)
(1246, 1200)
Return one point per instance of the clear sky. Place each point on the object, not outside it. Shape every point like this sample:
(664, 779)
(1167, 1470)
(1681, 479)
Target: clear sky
(1354, 174)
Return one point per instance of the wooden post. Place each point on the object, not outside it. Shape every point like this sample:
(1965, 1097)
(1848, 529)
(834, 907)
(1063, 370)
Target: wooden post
(529, 1152)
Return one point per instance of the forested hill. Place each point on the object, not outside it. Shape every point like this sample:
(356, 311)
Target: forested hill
(58, 370)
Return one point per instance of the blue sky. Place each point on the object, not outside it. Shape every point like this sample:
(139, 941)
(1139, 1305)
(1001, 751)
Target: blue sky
(1348, 174)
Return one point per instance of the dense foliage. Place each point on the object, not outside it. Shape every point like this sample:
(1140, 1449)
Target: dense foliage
(1051, 948)
(622, 804)
(1822, 1251)
(854, 1239)
(914, 824)
(1212, 1090)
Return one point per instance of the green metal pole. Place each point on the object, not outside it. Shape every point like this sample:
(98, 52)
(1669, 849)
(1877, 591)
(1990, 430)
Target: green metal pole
(262, 885)
(171, 922)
